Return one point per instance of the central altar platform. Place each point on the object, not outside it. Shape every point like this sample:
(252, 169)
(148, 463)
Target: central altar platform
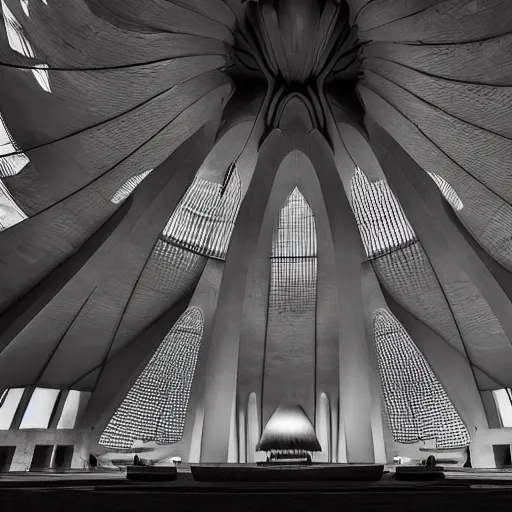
(286, 472)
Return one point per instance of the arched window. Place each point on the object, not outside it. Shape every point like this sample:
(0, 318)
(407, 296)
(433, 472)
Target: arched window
(417, 405)
(9, 402)
(156, 406)
(294, 258)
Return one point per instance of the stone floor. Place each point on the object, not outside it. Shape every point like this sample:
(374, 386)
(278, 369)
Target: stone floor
(98, 491)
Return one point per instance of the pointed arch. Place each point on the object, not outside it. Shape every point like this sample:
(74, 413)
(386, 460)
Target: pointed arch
(294, 258)
(291, 318)
(155, 407)
(417, 404)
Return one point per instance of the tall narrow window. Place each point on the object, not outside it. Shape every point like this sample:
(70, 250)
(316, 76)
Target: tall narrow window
(291, 322)
(156, 406)
(40, 408)
(75, 402)
(381, 220)
(9, 402)
(503, 400)
(204, 220)
(417, 405)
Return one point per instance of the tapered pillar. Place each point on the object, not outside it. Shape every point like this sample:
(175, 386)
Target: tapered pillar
(354, 372)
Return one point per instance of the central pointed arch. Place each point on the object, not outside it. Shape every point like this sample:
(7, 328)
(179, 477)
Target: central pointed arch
(289, 375)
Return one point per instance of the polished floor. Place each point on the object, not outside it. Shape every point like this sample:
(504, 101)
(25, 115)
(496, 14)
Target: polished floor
(98, 491)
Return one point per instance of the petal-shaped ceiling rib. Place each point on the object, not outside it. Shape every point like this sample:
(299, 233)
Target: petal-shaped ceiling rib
(72, 163)
(485, 214)
(84, 99)
(471, 290)
(54, 234)
(447, 21)
(481, 62)
(169, 16)
(409, 278)
(80, 340)
(77, 38)
(485, 106)
(488, 159)
(382, 12)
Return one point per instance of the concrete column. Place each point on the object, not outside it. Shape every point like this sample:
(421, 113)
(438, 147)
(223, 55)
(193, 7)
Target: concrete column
(22, 457)
(221, 377)
(450, 255)
(221, 374)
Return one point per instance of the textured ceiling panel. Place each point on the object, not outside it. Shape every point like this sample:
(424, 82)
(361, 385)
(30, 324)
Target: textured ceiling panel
(487, 159)
(84, 99)
(409, 278)
(485, 106)
(484, 62)
(485, 214)
(448, 21)
(76, 38)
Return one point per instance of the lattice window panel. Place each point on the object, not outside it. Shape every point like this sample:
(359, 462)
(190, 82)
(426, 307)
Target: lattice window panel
(448, 191)
(294, 259)
(204, 220)
(129, 186)
(380, 218)
(417, 405)
(156, 406)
